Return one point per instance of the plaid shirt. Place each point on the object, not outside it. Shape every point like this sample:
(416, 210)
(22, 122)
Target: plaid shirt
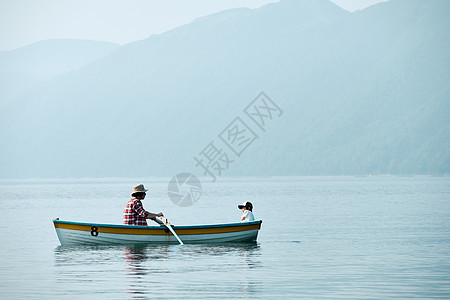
(134, 213)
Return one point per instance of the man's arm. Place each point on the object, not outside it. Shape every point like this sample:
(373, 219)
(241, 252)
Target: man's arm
(153, 216)
(159, 221)
(143, 213)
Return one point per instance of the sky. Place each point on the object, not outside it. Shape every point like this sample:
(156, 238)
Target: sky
(23, 22)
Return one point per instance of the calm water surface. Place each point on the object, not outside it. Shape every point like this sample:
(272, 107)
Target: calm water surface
(321, 237)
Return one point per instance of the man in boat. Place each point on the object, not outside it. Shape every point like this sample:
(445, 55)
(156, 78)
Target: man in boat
(134, 213)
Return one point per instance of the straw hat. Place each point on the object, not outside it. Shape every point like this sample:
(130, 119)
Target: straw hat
(139, 189)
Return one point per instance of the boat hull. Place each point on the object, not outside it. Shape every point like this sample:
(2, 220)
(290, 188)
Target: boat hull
(74, 233)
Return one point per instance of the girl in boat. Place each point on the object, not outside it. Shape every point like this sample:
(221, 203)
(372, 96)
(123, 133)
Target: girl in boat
(247, 209)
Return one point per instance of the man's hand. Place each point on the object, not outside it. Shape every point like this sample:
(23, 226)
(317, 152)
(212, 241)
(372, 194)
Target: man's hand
(161, 221)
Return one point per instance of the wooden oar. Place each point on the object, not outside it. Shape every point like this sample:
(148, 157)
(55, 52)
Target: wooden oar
(167, 224)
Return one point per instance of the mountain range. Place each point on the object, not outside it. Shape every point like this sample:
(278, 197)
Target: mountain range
(26, 67)
(360, 93)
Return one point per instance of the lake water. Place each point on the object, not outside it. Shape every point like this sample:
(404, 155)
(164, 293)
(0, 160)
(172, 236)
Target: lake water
(321, 237)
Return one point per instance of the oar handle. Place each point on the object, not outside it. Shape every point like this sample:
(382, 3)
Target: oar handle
(167, 224)
(160, 220)
(164, 220)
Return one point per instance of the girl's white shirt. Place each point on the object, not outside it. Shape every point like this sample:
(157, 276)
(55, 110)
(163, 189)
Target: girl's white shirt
(248, 215)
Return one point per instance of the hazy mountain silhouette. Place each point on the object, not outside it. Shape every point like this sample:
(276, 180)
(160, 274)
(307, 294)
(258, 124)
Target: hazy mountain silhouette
(362, 93)
(24, 67)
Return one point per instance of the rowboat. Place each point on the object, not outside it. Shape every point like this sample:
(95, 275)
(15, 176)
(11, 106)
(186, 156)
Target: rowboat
(75, 233)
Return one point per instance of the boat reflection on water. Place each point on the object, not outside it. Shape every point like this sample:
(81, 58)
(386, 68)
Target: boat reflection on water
(237, 263)
(151, 270)
(137, 256)
(84, 255)
(244, 249)
(141, 263)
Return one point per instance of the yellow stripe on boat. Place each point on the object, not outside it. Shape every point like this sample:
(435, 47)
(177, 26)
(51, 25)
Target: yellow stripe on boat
(111, 229)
